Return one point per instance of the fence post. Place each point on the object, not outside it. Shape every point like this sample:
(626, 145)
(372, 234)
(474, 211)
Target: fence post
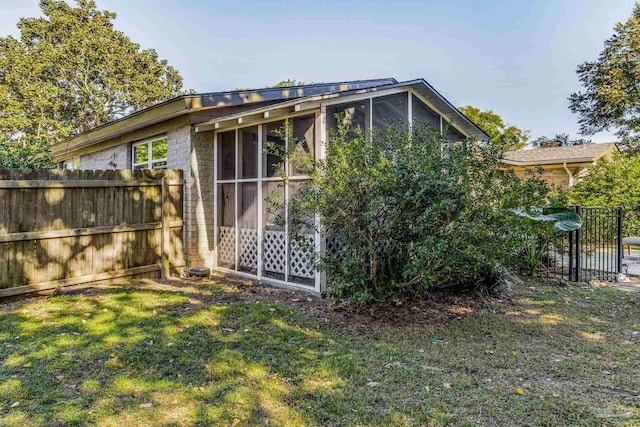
(164, 237)
(578, 245)
(571, 251)
(619, 240)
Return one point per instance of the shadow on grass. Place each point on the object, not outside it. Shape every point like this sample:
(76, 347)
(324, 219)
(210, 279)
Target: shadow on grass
(68, 360)
(149, 357)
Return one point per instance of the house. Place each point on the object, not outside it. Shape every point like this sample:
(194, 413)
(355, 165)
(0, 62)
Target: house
(217, 139)
(560, 166)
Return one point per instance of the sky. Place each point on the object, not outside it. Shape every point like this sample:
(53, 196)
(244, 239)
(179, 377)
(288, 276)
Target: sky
(514, 57)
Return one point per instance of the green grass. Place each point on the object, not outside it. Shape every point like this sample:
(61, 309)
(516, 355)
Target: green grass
(201, 356)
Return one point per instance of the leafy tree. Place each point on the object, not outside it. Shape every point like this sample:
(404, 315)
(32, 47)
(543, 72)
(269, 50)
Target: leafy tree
(411, 212)
(30, 153)
(288, 83)
(562, 139)
(613, 184)
(611, 99)
(70, 70)
(504, 137)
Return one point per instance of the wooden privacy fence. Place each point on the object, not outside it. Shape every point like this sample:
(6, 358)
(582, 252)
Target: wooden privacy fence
(60, 227)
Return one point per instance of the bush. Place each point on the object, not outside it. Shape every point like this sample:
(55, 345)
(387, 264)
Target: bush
(32, 153)
(611, 185)
(412, 212)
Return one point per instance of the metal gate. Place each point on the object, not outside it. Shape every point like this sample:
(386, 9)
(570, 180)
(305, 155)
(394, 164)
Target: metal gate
(593, 252)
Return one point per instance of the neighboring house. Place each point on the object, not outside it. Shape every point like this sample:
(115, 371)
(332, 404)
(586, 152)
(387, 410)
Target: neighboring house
(560, 166)
(218, 140)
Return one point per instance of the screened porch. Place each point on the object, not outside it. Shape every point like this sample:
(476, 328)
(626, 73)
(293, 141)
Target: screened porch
(253, 185)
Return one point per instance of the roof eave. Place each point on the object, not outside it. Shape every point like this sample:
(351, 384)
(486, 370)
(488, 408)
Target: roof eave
(549, 162)
(452, 114)
(160, 112)
(192, 103)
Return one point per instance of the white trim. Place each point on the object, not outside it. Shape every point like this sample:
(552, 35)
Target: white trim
(410, 111)
(262, 121)
(150, 162)
(286, 213)
(236, 223)
(438, 112)
(346, 99)
(215, 200)
(320, 154)
(571, 182)
(269, 179)
(260, 222)
(266, 279)
(548, 162)
(370, 119)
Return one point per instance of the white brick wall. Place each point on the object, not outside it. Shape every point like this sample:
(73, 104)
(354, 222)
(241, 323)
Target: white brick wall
(193, 153)
(118, 157)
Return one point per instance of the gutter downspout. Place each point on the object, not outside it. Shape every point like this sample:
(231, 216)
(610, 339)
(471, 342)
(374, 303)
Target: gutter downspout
(568, 173)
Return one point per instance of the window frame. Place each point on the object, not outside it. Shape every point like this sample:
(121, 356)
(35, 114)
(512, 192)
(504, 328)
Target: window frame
(150, 162)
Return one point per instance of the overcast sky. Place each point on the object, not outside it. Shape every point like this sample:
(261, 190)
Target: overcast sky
(517, 58)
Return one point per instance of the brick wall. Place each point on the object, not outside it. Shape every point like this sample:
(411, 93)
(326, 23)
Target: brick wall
(193, 153)
(118, 157)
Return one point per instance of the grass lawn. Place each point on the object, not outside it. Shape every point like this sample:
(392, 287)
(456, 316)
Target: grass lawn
(230, 353)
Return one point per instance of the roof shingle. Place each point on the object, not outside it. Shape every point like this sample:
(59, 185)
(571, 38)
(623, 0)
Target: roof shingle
(551, 155)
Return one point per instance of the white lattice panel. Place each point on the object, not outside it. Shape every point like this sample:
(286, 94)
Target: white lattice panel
(301, 257)
(248, 248)
(334, 247)
(274, 251)
(226, 245)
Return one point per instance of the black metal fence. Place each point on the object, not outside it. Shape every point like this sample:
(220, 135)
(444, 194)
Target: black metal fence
(593, 252)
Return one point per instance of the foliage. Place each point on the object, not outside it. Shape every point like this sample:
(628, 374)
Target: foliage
(610, 98)
(288, 83)
(562, 139)
(611, 185)
(503, 136)
(560, 220)
(31, 153)
(542, 224)
(412, 212)
(70, 70)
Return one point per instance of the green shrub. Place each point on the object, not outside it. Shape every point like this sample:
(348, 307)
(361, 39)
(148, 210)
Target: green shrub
(32, 153)
(412, 212)
(611, 185)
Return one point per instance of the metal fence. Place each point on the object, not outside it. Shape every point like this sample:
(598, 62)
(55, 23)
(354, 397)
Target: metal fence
(593, 252)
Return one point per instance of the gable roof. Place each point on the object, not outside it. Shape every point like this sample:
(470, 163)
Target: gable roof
(584, 153)
(185, 104)
(242, 102)
(420, 86)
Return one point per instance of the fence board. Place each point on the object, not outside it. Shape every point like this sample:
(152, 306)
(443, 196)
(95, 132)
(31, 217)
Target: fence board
(59, 228)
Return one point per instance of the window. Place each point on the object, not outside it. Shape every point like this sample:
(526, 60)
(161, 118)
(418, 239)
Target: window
(227, 155)
(273, 143)
(423, 115)
(355, 115)
(248, 156)
(150, 154)
(254, 180)
(390, 110)
(70, 164)
(452, 134)
(303, 142)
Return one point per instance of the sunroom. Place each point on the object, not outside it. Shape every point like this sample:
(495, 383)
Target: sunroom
(251, 235)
